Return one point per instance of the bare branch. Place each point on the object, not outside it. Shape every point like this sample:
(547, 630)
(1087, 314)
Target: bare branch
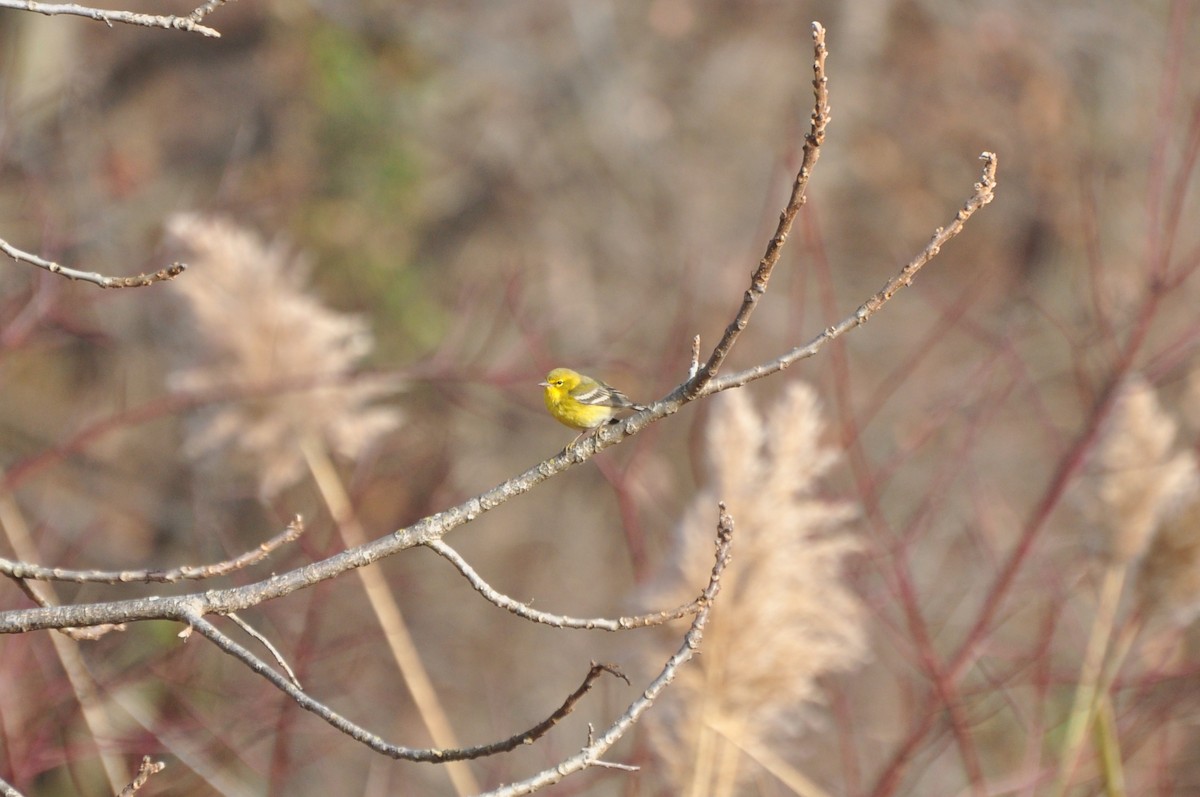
(543, 727)
(85, 634)
(8, 791)
(558, 620)
(758, 282)
(266, 643)
(189, 23)
(223, 601)
(691, 641)
(360, 734)
(590, 755)
(612, 765)
(436, 526)
(147, 768)
(703, 380)
(138, 281)
(984, 193)
(23, 570)
(203, 11)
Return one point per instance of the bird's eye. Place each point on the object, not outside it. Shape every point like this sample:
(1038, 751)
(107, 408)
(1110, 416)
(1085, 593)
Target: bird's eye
(558, 383)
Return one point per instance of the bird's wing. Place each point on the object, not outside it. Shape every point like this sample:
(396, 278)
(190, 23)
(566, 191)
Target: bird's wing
(601, 395)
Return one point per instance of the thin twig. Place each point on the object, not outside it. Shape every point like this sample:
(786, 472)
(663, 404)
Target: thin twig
(439, 524)
(983, 194)
(597, 748)
(7, 790)
(138, 281)
(360, 734)
(436, 526)
(83, 634)
(758, 282)
(694, 368)
(590, 755)
(23, 570)
(613, 765)
(188, 23)
(558, 620)
(94, 709)
(206, 9)
(266, 643)
(147, 768)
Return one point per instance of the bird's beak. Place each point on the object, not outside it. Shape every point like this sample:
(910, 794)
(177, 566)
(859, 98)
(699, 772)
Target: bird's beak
(543, 384)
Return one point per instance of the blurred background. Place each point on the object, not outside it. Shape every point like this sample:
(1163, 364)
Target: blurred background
(429, 206)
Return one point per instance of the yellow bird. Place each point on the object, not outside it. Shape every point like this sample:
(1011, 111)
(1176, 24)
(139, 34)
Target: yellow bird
(582, 402)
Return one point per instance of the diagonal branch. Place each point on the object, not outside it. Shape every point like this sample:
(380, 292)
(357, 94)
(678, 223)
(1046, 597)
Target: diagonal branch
(758, 282)
(590, 755)
(137, 281)
(559, 620)
(266, 643)
(289, 686)
(983, 194)
(373, 741)
(189, 23)
(438, 525)
(23, 570)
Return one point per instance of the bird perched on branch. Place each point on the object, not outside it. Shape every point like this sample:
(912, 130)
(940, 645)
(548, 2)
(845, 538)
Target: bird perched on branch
(582, 402)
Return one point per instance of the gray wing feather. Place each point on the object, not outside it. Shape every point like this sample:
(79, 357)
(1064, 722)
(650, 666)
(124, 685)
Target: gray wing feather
(603, 395)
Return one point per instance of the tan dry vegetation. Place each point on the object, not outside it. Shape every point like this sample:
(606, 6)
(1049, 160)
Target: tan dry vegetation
(496, 189)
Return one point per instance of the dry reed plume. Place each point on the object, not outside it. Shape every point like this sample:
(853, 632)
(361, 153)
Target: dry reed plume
(252, 324)
(786, 617)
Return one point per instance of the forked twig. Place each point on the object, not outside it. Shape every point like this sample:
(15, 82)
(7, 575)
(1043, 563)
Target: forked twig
(439, 524)
(590, 755)
(984, 193)
(758, 282)
(266, 643)
(703, 379)
(371, 740)
(379, 745)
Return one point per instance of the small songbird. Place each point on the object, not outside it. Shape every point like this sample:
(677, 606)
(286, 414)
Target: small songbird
(582, 402)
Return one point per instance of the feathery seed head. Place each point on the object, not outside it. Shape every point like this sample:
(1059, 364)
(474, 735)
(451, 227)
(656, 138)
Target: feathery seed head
(1133, 476)
(1168, 584)
(253, 322)
(784, 617)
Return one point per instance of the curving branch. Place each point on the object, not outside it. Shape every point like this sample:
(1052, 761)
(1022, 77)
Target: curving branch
(589, 756)
(377, 743)
(289, 685)
(704, 379)
(439, 524)
(137, 281)
(983, 194)
(189, 23)
(266, 643)
(491, 595)
(758, 282)
(24, 570)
